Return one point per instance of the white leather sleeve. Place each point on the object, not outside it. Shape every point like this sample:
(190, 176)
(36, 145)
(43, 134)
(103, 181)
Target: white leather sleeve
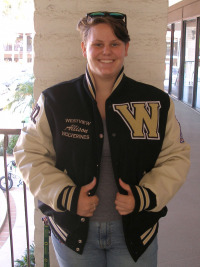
(172, 165)
(35, 156)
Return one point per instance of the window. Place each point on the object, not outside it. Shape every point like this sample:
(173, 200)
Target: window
(29, 42)
(198, 83)
(167, 58)
(182, 61)
(19, 43)
(176, 59)
(190, 43)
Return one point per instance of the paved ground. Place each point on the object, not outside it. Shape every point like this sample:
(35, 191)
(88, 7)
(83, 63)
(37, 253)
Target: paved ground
(179, 235)
(19, 233)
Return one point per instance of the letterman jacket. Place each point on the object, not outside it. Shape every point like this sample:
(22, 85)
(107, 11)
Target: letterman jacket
(60, 151)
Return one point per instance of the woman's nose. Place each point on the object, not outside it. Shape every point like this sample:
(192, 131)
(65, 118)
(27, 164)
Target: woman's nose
(106, 50)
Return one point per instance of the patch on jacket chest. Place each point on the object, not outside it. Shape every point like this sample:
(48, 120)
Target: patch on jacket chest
(77, 129)
(142, 118)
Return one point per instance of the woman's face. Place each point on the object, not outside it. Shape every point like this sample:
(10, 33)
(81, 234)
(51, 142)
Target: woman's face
(104, 52)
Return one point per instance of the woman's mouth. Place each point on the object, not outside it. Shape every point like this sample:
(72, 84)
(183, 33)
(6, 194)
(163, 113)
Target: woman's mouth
(106, 61)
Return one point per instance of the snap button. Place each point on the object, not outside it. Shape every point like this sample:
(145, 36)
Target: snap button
(101, 136)
(80, 241)
(77, 249)
(114, 134)
(82, 219)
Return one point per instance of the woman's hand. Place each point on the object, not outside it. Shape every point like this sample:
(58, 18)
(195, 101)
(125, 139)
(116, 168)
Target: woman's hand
(125, 204)
(87, 204)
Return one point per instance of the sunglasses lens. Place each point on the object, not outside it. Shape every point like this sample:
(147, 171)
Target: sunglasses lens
(117, 15)
(96, 14)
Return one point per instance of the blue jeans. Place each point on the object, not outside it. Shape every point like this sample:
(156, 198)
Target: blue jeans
(105, 247)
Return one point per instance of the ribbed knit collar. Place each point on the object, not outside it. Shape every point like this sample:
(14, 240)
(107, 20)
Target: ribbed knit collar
(91, 82)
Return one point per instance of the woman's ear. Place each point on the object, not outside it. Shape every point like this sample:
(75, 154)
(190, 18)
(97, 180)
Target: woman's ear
(83, 47)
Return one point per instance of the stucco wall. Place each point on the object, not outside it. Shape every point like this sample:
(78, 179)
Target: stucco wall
(58, 56)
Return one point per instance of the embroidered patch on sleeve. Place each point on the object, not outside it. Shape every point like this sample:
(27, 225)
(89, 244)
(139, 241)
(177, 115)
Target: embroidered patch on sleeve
(181, 134)
(35, 113)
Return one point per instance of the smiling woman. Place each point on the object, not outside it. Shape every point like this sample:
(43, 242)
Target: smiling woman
(101, 154)
(105, 54)
(105, 42)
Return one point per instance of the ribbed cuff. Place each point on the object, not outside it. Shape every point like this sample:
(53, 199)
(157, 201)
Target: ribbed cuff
(68, 199)
(145, 199)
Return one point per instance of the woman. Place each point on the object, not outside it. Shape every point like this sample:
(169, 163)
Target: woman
(103, 155)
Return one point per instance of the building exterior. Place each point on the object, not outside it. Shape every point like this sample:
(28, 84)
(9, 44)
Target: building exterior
(19, 48)
(17, 31)
(173, 2)
(58, 55)
(182, 64)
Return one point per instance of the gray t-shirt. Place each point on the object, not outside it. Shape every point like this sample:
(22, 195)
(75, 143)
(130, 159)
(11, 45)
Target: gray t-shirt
(107, 188)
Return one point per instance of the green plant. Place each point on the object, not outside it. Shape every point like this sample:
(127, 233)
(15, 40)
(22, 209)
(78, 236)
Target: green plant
(24, 260)
(11, 143)
(22, 98)
(1, 147)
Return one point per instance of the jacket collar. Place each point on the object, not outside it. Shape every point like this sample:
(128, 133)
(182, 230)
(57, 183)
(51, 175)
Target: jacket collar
(91, 82)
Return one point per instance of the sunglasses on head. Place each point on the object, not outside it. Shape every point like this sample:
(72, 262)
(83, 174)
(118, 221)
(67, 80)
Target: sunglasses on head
(115, 15)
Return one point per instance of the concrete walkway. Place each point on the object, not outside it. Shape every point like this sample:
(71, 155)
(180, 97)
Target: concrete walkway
(179, 234)
(3, 209)
(19, 230)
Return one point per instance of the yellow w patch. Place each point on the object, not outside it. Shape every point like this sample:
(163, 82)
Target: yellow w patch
(142, 118)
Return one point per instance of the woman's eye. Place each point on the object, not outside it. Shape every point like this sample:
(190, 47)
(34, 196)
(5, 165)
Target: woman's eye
(115, 44)
(98, 44)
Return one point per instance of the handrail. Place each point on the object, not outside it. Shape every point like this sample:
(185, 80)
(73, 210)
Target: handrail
(10, 131)
(6, 133)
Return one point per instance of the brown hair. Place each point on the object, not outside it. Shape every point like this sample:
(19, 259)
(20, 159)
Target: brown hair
(118, 26)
